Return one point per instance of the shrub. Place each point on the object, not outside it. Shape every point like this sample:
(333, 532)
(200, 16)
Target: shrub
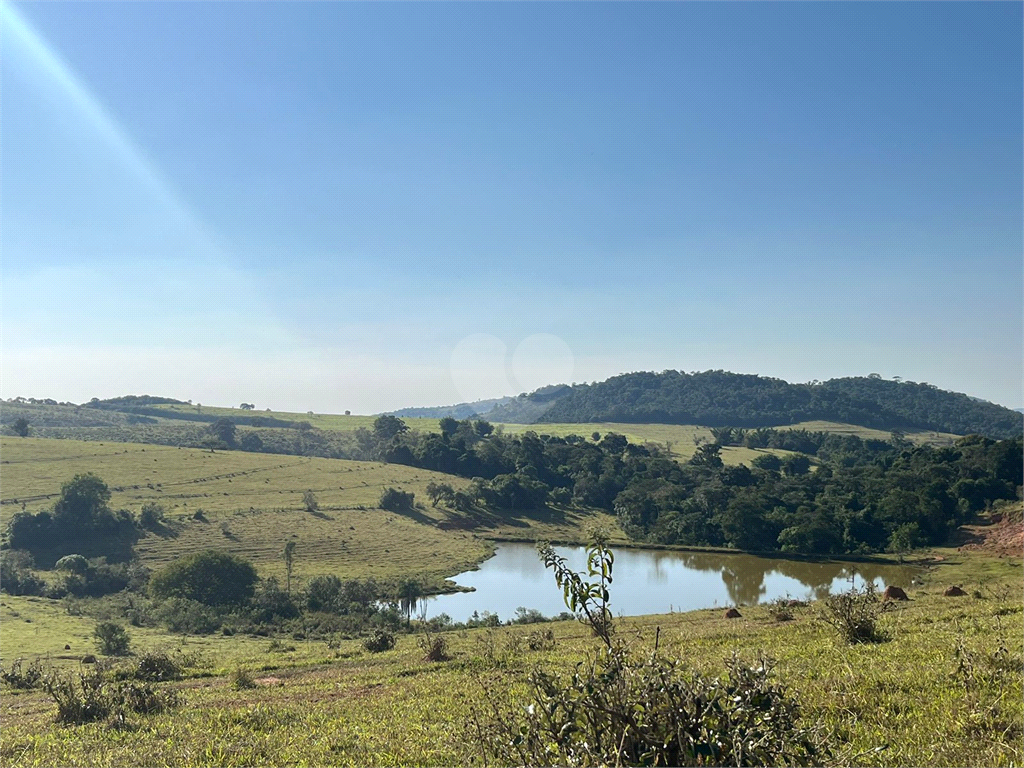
(854, 614)
(188, 616)
(780, 609)
(210, 577)
(435, 647)
(241, 679)
(89, 696)
(16, 577)
(379, 640)
(113, 639)
(156, 666)
(80, 698)
(395, 500)
(152, 516)
(23, 679)
(618, 708)
(541, 640)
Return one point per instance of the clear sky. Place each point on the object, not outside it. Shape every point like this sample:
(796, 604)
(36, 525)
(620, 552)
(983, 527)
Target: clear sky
(337, 206)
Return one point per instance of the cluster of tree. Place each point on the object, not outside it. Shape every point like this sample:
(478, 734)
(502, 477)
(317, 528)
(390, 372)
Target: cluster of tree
(81, 521)
(895, 502)
(129, 400)
(847, 450)
(864, 495)
(720, 398)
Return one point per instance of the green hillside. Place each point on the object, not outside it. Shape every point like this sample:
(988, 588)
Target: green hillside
(720, 398)
(252, 504)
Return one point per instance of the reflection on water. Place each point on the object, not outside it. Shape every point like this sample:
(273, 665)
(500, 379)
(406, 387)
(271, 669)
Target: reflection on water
(656, 581)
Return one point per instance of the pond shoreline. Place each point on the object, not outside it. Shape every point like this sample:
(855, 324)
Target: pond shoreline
(659, 579)
(773, 554)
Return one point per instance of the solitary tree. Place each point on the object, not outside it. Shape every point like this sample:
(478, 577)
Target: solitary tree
(310, 501)
(409, 594)
(20, 427)
(289, 561)
(247, 406)
(224, 431)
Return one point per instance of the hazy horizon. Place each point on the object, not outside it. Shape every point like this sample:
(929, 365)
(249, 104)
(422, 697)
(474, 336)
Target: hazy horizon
(368, 207)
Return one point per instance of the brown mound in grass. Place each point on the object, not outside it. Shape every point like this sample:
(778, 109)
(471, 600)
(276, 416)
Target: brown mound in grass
(894, 593)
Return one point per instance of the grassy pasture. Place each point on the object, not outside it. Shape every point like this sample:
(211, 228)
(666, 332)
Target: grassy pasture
(681, 436)
(907, 701)
(919, 437)
(333, 421)
(252, 504)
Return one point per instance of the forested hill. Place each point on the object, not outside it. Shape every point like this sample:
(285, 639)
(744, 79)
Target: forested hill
(720, 398)
(459, 411)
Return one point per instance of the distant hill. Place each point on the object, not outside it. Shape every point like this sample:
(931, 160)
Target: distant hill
(720, 398)
(459, 411)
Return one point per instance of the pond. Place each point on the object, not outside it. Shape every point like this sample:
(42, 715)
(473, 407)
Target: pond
(655, 581)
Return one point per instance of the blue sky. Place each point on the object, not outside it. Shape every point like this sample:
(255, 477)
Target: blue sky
(337, 206)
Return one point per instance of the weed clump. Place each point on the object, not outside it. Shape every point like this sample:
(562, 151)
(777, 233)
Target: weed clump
(88, 696)
(541, 640)
(854, 614)
(780, 609)
(241, 679)
(435, 647)
(380, 640)
(156, 666)
(20, 678)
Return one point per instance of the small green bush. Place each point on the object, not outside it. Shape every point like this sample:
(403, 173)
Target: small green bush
(157, 666)
(395, 500)
(854, 614)
(541, 640)
(152, 517)
(113, 639)
(188, 616)
(241, 679)
(379, 640)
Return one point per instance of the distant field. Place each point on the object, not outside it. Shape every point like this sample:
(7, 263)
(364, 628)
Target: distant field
(680, 436)
(253, 504)
(332, 421)
(866, 433)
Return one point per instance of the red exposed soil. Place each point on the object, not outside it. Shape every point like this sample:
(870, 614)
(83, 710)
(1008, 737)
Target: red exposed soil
(1003, 536)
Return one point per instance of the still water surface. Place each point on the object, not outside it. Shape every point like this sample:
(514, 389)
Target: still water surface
(652, 581)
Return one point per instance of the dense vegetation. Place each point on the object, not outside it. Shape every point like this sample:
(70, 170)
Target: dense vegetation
(720, 398)
(865, 496)
(81, 521)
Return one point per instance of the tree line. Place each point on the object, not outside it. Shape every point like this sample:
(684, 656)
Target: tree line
(721, 398)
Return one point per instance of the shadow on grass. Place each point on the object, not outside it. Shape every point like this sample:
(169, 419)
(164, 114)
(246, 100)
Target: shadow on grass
(490, 518)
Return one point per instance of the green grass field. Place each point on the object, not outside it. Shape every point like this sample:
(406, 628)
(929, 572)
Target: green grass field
(681, 436)
(946, 689)
(252, 504)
